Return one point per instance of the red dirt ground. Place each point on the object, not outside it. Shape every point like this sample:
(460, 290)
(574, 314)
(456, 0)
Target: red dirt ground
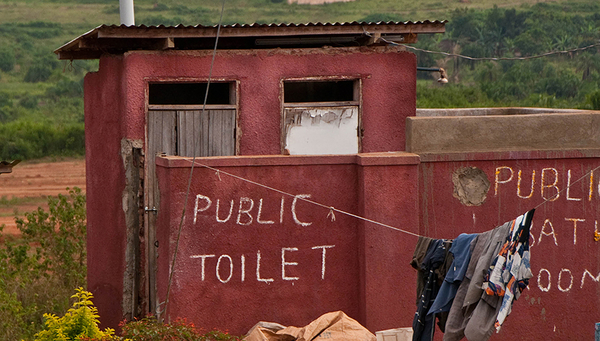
(32, 183)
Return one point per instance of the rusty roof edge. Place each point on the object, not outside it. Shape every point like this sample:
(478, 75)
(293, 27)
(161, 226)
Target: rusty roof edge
(70, 49)
(241, 30)
(75, 41)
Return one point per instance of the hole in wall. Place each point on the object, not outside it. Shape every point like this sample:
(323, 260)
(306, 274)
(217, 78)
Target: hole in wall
(471, 186)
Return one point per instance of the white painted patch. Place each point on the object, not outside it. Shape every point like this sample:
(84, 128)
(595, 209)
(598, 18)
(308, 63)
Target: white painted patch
(322, 130)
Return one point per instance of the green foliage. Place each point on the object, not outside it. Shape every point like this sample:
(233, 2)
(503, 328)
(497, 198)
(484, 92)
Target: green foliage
(81, 321)
(149, 329)
(594, 100)
(39, 269)
(27, 139)
(7, 59)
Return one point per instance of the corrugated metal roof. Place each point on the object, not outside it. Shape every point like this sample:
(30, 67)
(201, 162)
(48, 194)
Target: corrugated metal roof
(119, 39)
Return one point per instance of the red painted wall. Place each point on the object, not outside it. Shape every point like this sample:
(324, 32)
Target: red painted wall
(367, 271)
(309, 264)
(115, 107)
(562, 301)
(105, 181)
(388, 97)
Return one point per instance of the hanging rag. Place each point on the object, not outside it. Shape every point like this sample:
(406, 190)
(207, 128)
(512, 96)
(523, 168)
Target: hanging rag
(436, 260)
(461, 251)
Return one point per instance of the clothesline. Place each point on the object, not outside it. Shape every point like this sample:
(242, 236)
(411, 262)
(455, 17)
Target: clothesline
(332, 209)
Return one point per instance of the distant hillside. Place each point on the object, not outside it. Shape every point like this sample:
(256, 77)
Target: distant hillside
(41, 99)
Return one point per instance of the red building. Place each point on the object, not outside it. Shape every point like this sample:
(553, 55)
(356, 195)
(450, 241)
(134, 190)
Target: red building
(321, 119)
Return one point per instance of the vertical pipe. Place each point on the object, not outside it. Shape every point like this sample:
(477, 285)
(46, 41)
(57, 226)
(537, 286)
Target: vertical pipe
(126, 11)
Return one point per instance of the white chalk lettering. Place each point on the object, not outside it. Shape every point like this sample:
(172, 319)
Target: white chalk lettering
(245, 211)
(591, 191)
(203, 257)
(539, 280)
(243, 259)
(228, 216)
(552, 185)
(543, 232)
(258, 278)
(281, 210)
(323, 257)
(260, 213)
(560, 280)
(299, 196)
(284, 263)
(574, 220)
(497, 178)
(289, 264)
(230, 269)
(569, 187)
(519, 185)
(196, 209)
(586, 272)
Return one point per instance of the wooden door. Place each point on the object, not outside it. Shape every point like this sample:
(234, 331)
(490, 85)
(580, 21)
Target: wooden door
(184, 133)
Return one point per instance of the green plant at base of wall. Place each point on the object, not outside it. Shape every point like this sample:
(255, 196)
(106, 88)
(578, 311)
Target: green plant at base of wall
(81, 321)
(40, 268)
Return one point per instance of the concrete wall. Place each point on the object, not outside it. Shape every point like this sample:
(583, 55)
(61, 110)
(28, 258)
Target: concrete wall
(556, 131)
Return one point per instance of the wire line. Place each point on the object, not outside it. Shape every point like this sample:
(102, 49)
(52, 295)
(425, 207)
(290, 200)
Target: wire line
(485, 58)
(332, 209)
(189, 185)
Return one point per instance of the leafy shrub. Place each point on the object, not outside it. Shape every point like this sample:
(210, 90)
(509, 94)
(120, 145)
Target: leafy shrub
(7, 59)
(38, 73)
(28, 139)
(149, 329)
(594, 100)
(79, 322)
(39, 269)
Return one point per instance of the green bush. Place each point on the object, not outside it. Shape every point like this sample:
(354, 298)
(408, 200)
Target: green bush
(38, 73)
(39, 269)
(594, 100)
(28, 139)
(81, 321)
(7, 59)
(149, 329)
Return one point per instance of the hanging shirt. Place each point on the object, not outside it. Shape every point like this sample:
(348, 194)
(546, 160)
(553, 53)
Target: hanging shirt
(423, 325)
(461, 250)
(510, 271)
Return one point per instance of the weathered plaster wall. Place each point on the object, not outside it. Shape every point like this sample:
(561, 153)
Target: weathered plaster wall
(367, 271)
(308, 263)
(105, 182)
(446, 134)
(563, 292)
(383, 72)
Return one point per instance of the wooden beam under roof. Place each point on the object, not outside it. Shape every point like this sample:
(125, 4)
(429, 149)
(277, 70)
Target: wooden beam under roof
(120, 39)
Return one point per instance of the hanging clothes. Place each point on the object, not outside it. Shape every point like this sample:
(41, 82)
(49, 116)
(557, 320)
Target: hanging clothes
(510, 271)
(461, 251)
(500, 263)
(432, 269)
(469, 292)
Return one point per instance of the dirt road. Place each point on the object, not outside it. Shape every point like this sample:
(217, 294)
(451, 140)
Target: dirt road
(30, 183)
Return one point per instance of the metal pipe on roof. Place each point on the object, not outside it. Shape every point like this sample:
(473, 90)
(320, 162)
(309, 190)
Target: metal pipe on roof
(443, 76)
(126, 11)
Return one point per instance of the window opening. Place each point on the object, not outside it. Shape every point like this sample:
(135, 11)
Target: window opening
(189, 93)
(321, 117)
(318, 91)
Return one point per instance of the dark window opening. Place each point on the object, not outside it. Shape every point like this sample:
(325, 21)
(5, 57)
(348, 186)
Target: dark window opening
(320, 91)
(188, 93)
